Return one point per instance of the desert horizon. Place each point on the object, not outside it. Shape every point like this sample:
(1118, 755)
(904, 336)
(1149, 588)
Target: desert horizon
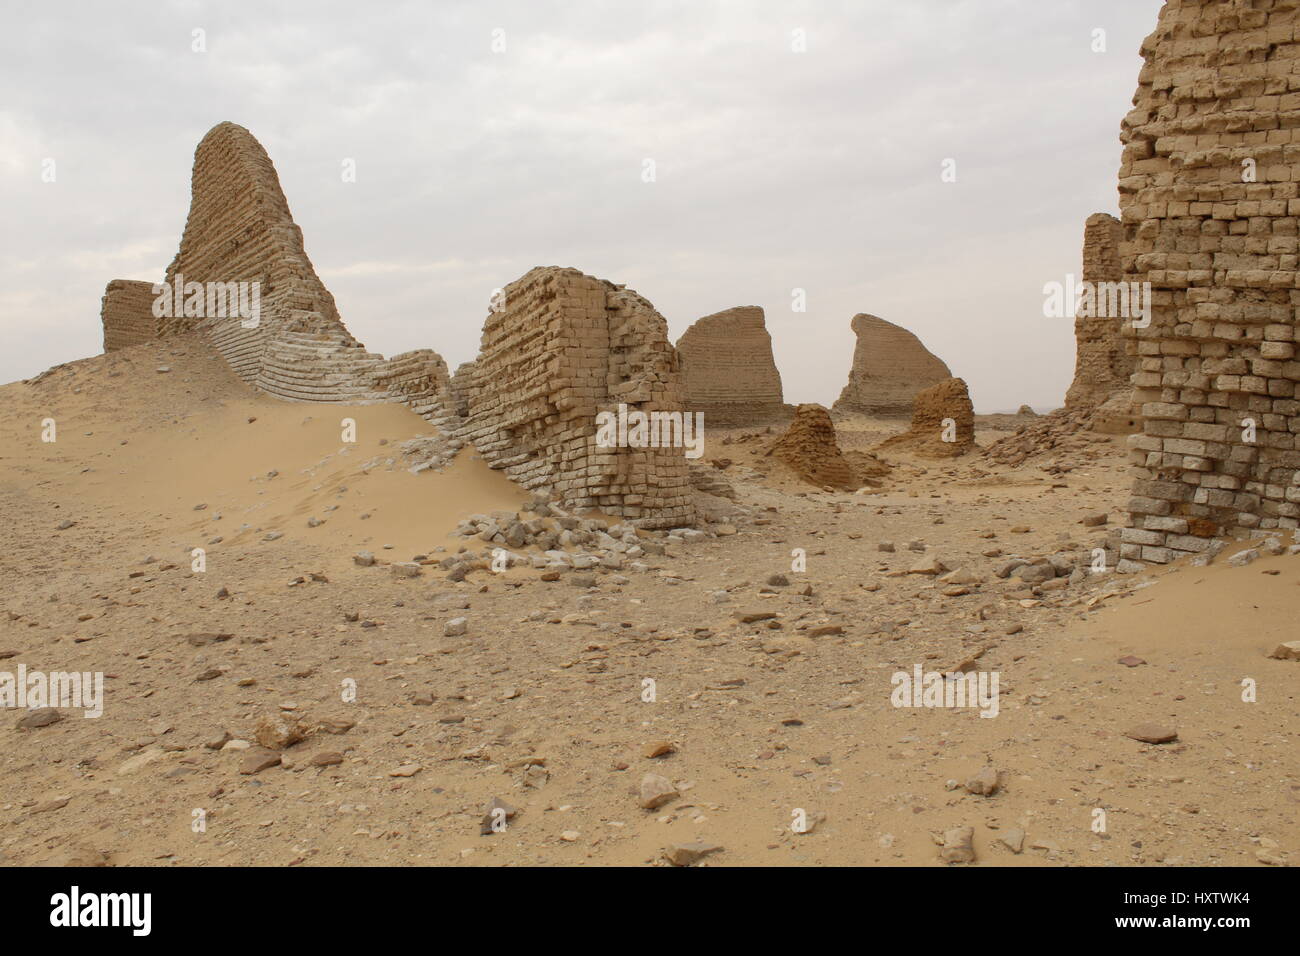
(371, 537)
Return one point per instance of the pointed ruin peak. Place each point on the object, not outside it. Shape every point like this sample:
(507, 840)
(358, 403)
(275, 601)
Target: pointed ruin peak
(890, 365)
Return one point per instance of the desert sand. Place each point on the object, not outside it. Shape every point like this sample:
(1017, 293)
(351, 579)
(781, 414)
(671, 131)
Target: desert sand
(539, 702)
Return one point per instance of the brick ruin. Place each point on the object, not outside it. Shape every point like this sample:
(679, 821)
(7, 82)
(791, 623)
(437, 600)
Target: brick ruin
(126, 312)
(1210, 208)
(943, 423)
(729, 371)
(1100, 398)
(809, 447)
(1104, 364)
(564, 347)
(890, 365)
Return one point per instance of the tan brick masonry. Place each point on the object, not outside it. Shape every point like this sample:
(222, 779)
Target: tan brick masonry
(1210, 204)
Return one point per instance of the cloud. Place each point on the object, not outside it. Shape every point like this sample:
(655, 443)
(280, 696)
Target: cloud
(775, 170)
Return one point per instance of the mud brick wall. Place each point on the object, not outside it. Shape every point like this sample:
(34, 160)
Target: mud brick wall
(1217, 104)
(947, 400)
(564, 347)
(729, 370)
(1103, 363)
(240, 230)
(809, 447)
(126, 313)
(420, 379)
(890, 365)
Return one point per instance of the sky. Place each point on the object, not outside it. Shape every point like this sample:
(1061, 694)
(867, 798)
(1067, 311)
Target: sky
(931, 162)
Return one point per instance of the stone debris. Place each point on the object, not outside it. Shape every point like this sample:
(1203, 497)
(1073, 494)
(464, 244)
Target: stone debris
(1286, 651)
(41, 717)
(655, 791)
(1152, 733)
(985, 783)
(1013, 839)
(957, 845)
(687, 854)
(281, 730)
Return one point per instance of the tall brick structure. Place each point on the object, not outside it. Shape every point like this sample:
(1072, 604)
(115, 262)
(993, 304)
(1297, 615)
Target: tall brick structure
(126, 312)
(890, 365)
(1210, 206)
(730, 373)
(1103, 364)
(565, 347)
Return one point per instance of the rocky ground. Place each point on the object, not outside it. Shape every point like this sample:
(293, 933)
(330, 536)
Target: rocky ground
(348, 680)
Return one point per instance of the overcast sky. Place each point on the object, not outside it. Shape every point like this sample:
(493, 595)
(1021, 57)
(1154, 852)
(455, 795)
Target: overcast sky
(775, 170)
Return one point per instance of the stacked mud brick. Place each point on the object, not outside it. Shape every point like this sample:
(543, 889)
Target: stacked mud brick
(890, 365)
(1210, 201)
(240, 229)
(1104, 360)
(561, 348)
(943, 423)
(420, 379)
(810, 448)
(127, 314)
(565, 347)
(729, 370)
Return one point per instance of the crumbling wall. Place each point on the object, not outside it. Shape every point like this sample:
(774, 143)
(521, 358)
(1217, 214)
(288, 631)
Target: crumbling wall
(809, 446)
(562, 347)
(728, 368)
(239, 229)
(126, 313)
(1210, 206)
(421, 381)
(890, 365)
(1103, 363)
(943, 423)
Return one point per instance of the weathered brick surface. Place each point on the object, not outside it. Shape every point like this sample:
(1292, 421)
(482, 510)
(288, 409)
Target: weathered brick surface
(563, 347)
(890, 365)
(240, 230)
(1104, 364)
(1210, 209)
(941, 411)
(730, 373)
(126, 312)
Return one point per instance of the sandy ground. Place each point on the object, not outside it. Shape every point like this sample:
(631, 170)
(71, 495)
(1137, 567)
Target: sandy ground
(540, 703)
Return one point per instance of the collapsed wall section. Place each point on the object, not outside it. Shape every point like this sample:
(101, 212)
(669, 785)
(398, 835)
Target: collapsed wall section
(561, 347)
(810, 448)
(1211, 208)
(943, 423)
(126, 313)
(729, 371)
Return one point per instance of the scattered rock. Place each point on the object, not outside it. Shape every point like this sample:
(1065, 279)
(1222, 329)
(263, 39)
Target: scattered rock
(958, 846)
(985, 783)
(656, 791)
(687, 854)
(1150, 733)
